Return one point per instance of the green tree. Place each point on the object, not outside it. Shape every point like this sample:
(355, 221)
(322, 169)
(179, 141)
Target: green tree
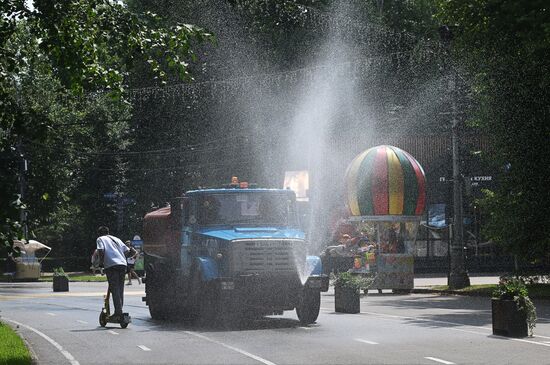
(64, 67)
(505, 45)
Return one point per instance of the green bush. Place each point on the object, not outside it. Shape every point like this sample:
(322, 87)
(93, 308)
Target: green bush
(349, 280)
(58, 271)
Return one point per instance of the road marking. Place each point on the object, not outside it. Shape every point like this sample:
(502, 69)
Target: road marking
(245, 353)
(366, 341)
(81, 321)
(64, 352)
(439, 360)
(305, 328)
(144, 348)
(112, 332)
(451, 328)
(543, 343)
(526, 341)
(51, 314)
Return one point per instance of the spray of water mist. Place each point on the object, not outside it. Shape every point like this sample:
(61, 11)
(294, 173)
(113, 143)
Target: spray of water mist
(295, 113)
(320, 101)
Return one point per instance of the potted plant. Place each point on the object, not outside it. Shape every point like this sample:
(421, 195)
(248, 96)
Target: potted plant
(60, 280)
(347, 288)
(514, 314)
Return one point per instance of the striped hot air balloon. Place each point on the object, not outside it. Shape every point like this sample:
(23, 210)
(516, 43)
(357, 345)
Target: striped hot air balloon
(385, 180)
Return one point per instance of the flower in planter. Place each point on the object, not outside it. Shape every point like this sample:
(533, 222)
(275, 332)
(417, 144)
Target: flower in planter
(510, 288)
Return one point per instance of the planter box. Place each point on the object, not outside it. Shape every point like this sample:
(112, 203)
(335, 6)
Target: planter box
(507, 319)
(60, 283)
(346, 300)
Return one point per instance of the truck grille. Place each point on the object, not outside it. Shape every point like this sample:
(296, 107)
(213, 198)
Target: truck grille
(263, 256)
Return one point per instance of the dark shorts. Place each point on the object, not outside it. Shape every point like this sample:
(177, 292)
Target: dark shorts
(129, 267)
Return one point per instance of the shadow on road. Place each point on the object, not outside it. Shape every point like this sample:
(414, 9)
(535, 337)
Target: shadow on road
(246, 324)
(433, 311)
(98, 329)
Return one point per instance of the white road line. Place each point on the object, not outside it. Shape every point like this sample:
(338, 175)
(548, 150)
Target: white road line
(543, 343)
(305, 328)
(81, 321)
(51, 314)
(456, 329)
(439, 360)
(112, 332)
(366, 341)
(64, 352)
(245, 353)
(144, 348)
(526, 341)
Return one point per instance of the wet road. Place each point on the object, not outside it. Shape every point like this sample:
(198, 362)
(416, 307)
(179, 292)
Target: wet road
(62, 328)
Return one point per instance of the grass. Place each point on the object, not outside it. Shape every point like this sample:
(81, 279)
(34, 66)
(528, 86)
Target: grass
(481, 290)
(535, 290)
(12, 347)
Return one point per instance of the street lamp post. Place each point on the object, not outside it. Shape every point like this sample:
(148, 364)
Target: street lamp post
(23, 168)
(458, 277)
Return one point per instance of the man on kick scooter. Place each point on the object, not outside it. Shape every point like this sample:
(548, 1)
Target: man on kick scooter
(112, 254)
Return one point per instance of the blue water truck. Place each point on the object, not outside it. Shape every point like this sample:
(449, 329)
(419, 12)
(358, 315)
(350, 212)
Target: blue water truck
(230, 253)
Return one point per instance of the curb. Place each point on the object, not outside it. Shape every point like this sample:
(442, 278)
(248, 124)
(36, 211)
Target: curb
(465, 294)
(450, 292)
(34, 357)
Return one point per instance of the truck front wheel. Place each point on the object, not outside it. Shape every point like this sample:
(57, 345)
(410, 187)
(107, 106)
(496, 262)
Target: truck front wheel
(309, 306)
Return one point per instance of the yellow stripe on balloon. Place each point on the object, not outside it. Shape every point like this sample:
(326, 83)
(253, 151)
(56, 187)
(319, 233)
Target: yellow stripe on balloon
(396, 183)
(351, 175)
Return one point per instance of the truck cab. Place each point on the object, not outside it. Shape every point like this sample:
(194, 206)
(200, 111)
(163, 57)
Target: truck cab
(232, 252)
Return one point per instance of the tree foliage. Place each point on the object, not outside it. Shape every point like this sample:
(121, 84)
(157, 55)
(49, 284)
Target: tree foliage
(64, 66)
(505, 46)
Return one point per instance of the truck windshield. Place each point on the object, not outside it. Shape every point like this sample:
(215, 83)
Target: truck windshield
(271, 209)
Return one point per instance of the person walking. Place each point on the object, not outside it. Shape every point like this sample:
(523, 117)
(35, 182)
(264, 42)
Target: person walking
(112, 254)
(95, 263)
(131, 261)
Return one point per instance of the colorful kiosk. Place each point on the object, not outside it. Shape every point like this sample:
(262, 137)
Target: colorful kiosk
(386, 197)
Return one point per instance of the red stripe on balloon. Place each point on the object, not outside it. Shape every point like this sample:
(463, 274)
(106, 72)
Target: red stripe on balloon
(380, 194)
(421, 201)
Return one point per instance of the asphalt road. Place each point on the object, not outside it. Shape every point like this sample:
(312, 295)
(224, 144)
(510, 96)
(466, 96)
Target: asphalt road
(62, 328)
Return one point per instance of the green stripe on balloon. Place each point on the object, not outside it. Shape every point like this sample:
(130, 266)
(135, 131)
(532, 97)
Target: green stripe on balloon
(410, 182)
(364, 184)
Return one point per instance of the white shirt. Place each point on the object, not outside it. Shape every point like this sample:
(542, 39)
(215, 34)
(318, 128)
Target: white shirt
(131, 260)
(113, 249)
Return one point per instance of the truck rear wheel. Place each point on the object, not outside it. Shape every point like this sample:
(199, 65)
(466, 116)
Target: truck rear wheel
(156, 296)
(309, 306)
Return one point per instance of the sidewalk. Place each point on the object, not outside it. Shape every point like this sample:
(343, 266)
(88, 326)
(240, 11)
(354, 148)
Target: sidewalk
(421, 282)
